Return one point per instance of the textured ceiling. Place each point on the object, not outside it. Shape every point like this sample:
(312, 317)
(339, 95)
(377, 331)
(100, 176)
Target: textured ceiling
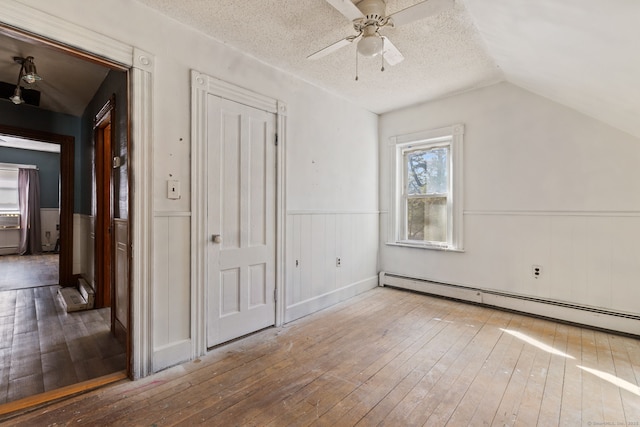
(67, 84)
(443, 54)
(580, 53)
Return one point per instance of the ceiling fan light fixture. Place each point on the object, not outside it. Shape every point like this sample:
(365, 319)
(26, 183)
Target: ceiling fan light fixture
(16, 98)
(27, 74)
(370, 45)
(30, 74)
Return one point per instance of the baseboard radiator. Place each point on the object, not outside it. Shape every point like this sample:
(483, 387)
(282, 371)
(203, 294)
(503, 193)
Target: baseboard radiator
(626, 323)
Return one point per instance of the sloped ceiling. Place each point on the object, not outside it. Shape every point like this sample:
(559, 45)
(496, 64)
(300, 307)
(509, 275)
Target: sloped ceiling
(68, 83)
(581, 53)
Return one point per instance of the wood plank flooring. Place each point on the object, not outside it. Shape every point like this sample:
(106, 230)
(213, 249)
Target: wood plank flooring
(28, 271)
(386, 357)
(43, 348)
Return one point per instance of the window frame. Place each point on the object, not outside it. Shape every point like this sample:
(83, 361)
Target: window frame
(401, 145)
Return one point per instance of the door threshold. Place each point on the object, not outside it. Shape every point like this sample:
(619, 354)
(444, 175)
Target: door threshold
(32, 402)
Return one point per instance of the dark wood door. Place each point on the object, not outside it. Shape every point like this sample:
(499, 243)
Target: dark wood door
(103, 206)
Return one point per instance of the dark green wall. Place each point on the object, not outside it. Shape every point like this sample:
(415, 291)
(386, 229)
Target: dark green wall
(30, 117)
(81, 128)
(49, 166)
(114, 83)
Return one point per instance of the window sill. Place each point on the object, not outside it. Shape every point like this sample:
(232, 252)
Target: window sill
(424, 246)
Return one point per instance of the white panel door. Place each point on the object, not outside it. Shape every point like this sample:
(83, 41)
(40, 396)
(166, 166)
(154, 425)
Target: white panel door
(241, 211)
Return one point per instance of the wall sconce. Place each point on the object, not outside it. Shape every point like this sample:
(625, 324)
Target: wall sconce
(28, 74)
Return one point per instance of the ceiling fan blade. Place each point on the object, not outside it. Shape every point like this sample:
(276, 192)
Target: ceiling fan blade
(420, 11)
(391, 53)
(333, 47)
(347, 8)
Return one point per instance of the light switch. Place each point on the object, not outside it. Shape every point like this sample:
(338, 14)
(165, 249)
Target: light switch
(173, 189)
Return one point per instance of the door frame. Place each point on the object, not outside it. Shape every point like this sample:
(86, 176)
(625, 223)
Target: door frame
(203, 85)
(102, 206)
(19, 20)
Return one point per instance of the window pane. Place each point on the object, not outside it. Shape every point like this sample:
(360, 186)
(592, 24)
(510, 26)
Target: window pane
(427, 171)
(427, 219)
(9, 189)
(8, 199)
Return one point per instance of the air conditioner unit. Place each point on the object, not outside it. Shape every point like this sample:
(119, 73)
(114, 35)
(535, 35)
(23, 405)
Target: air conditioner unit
(9, 220)
(9, 233)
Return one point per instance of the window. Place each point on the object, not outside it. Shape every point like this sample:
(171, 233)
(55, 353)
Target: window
(427, 191)
(9, 189)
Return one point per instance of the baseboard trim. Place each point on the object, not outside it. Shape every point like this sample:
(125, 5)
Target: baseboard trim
(626, 323)
(171, 354)
(304, 308)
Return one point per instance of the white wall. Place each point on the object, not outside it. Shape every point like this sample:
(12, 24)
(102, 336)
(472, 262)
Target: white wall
(332, 203)
(84, 239)
(331, 154)
(315, 242)
(49, 219)
(543, 185)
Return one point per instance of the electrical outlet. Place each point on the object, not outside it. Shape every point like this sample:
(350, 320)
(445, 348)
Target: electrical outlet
(536, 270)
(338, 262)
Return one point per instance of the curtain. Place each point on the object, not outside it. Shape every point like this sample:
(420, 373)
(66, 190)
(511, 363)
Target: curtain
(29, 201)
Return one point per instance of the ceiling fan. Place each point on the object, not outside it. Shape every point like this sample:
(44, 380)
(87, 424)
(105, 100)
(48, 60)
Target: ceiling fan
(369, 16)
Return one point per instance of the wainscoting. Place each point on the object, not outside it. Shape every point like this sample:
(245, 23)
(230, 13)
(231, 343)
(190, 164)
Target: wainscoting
(171, 289)
(588, 260)
(84, 246)
(122, 270)
(49, 225)
(49, 222)
(330, 257)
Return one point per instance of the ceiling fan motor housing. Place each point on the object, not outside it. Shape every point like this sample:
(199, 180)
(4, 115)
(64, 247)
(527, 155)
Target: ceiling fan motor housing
(374, 14)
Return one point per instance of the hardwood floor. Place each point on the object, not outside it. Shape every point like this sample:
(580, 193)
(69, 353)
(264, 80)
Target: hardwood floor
(386, 357)
(28, 271)
(43, 348)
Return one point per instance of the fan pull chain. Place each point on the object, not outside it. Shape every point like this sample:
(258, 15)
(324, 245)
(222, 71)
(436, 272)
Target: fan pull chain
(356, 65)
(382, 55)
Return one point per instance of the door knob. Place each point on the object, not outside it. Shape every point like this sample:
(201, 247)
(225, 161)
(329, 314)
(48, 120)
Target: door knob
(216, 238)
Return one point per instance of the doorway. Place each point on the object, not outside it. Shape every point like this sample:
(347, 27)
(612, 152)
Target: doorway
(61, 35)
(207, 173)
(241, 219)
(44, 348)
(68, 348)
(63, 242)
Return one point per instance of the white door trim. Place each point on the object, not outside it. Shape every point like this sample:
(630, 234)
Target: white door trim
(140, 63)
(201, 86)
